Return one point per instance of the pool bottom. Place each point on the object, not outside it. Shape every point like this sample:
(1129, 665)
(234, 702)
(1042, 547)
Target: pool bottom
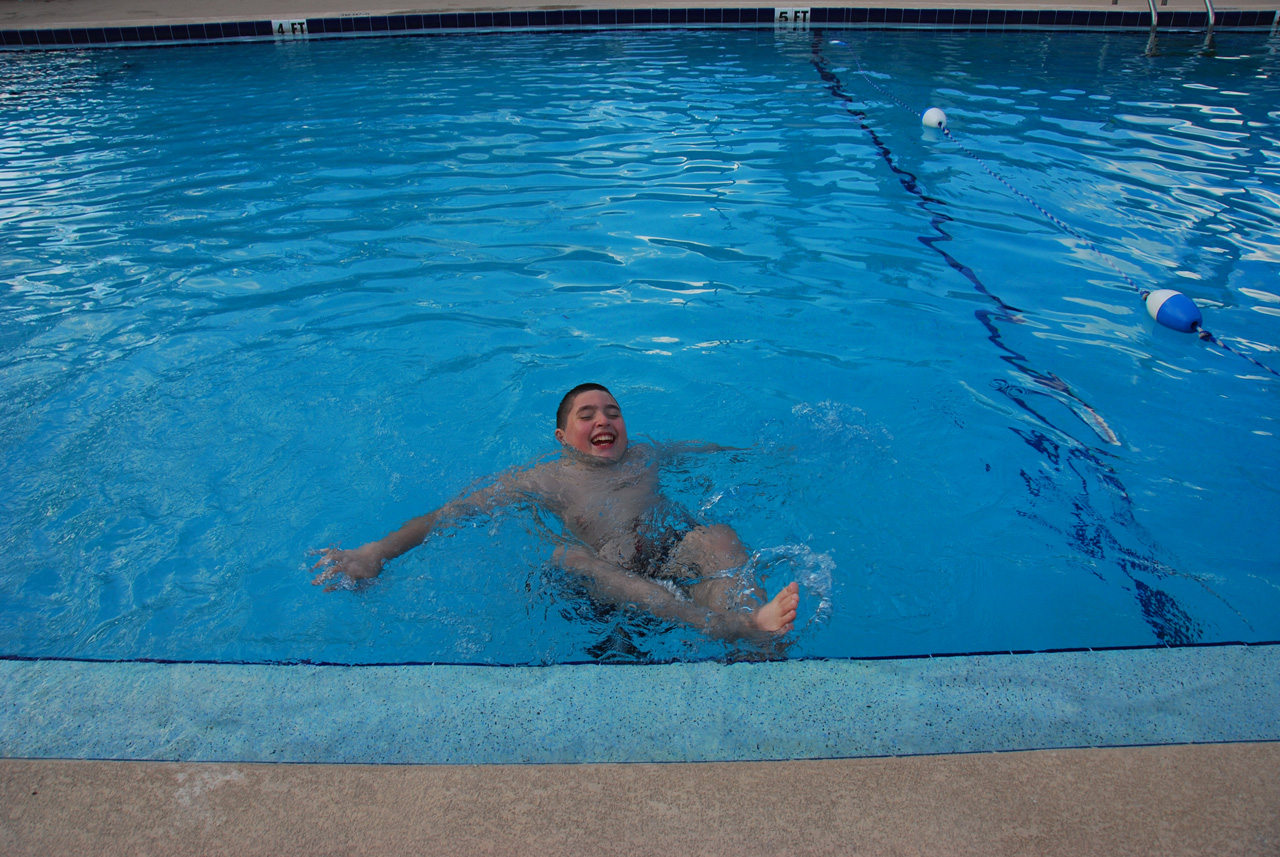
(671, 713)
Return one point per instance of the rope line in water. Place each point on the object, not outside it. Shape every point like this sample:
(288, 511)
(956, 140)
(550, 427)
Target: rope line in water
(1087, 531)
(1204, 335)
(990, 319)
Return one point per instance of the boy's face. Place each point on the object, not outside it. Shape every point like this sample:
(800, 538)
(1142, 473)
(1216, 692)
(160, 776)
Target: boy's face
(595, 426)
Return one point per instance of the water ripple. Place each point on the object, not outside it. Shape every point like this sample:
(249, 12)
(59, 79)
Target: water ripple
(264, 297)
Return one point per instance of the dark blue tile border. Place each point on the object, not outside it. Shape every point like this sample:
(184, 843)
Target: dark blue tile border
(841, 16)
(1221, 644)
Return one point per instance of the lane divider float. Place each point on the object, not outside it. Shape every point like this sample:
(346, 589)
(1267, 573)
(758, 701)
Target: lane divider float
(1168, 307)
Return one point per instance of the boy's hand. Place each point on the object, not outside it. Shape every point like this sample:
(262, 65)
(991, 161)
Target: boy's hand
(358, 564)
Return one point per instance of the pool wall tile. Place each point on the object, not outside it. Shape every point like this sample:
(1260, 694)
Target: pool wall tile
(667, 713)
(843, 16)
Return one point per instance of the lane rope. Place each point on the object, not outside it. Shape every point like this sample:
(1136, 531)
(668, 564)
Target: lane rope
(991, 319)
(1179, 315)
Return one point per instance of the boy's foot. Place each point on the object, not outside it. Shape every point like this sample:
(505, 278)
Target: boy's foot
(779, 615)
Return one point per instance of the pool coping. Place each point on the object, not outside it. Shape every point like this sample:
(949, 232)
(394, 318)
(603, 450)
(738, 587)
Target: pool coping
(1194, 800)
(73, 27)
(603, 714)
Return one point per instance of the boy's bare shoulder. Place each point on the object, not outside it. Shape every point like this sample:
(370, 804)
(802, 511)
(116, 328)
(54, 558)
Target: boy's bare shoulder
(541, 477)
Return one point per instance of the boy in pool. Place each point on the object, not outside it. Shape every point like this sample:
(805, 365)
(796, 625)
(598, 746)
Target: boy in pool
(637, 548)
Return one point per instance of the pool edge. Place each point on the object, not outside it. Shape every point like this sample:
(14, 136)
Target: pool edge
(79, 24)
(699, 712)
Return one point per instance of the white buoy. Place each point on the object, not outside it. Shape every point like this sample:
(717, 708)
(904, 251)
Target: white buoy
(934, 118)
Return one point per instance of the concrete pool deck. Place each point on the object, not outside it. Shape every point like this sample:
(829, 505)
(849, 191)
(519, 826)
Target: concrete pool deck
(1177, 798)
(1218, 800)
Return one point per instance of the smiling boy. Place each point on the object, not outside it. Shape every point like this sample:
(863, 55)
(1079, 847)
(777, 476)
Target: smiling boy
(636, 547)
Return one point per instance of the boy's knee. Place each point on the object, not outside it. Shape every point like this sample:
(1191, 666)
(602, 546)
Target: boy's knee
(722, 539)
(715, 548)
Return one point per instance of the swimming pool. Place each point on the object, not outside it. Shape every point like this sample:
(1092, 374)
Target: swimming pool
(253, 313)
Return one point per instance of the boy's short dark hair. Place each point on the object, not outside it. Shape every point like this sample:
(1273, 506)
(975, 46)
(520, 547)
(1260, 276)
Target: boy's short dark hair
(566, 404)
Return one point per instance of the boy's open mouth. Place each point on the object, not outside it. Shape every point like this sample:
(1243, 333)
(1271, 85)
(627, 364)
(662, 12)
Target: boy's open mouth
(604, 438)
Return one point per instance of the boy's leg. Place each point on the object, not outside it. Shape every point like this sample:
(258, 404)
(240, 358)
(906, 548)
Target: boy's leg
(718, 603)
(707, 551)
(619, 586)
(703, 553)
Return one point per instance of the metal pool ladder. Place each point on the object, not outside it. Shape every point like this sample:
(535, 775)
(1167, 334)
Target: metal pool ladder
(1208, 36)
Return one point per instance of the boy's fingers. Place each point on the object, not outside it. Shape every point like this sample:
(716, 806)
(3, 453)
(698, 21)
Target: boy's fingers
(326, 559)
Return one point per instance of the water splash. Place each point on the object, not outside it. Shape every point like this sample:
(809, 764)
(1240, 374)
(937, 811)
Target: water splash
(815, 572)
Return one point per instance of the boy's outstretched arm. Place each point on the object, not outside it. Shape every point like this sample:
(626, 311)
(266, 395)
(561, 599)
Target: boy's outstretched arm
(681, 447)
(367, 560)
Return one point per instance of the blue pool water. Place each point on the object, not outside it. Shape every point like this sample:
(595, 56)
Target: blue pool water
(265, 298)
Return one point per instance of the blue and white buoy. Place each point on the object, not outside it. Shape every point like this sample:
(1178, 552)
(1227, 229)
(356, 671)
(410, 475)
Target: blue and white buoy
(1174, 309)
(934, 118)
